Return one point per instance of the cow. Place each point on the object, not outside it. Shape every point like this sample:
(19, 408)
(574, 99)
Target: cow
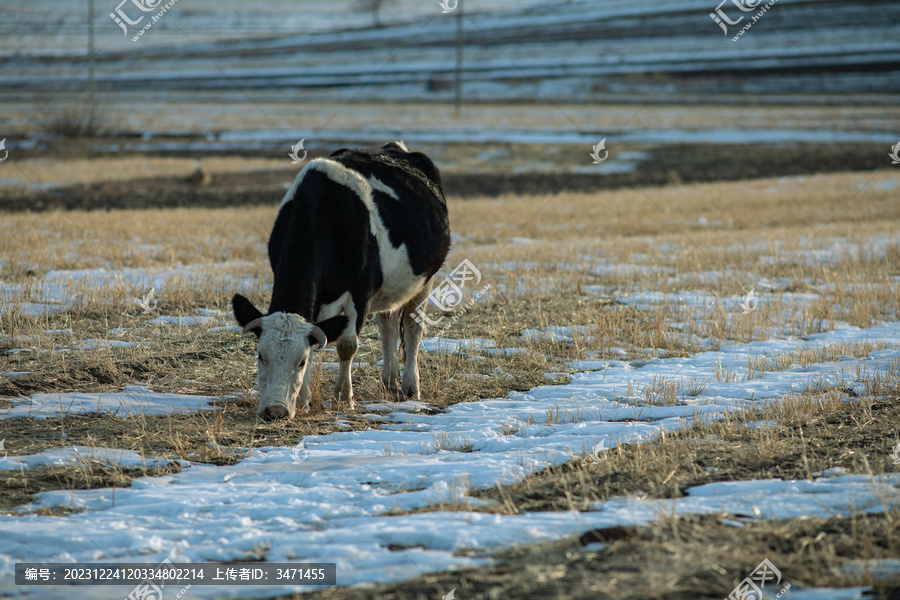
(360, 232)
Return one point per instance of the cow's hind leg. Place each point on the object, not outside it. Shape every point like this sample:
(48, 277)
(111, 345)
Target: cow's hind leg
(343, 387)
(412, 337)
(390, 369)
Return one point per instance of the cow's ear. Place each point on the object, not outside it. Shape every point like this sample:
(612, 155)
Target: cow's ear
(245, 312)
(332, 327)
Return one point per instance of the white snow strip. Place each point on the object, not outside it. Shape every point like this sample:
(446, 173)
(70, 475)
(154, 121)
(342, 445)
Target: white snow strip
(57, 457)
(326, 499)
(134, 400)
(182, 321)
(557, 333)
(97, 344)
(451, 346)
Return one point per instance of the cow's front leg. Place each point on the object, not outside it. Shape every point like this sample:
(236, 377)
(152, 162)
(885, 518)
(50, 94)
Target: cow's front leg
(412, 337)
(343, 387)
(390, 368)
(304, 390)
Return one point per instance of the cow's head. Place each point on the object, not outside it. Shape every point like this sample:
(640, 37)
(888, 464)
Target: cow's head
(286, 344)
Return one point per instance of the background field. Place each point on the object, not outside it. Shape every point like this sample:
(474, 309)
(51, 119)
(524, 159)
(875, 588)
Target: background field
(686, 359)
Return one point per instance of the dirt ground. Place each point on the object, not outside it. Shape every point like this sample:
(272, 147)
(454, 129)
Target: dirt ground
(670, 164)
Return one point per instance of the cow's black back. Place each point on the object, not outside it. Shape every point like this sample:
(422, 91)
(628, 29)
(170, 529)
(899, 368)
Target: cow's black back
(322, 244)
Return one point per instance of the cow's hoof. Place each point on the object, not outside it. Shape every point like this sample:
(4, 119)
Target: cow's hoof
(274, 412)
(390, 386)
(343, 402)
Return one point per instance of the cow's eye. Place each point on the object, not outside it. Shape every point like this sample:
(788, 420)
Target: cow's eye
(259, 356)
(301, 363)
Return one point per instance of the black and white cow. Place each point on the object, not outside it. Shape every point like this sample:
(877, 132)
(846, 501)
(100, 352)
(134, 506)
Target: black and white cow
(360, 232)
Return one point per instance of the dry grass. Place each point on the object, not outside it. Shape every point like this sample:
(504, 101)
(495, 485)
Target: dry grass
(689, 556)
(808, 434)
(804, 435)
(199, 437)
(79, 121)
(679, 558)
(20, 487)
(200, 256)
(818, 250)
(33, 244)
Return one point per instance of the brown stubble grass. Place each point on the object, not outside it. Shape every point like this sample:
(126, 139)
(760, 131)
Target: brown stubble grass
(33, 244)
(764, 204)
(682, 556)
(689, 556)
(546, 277)
(745, 232)
(19, 488)
(676, 558)
(805, 434)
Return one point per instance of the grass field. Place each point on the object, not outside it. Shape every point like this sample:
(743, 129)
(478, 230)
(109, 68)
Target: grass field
(645, 274)
(677, 368)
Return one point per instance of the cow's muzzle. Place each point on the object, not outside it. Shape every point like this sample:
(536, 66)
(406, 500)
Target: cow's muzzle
(275, 411)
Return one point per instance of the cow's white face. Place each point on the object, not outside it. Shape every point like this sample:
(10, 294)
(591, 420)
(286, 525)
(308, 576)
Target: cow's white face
(286, 344)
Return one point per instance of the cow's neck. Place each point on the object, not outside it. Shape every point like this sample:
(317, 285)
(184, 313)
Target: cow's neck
(296, 297)
(298, 275)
